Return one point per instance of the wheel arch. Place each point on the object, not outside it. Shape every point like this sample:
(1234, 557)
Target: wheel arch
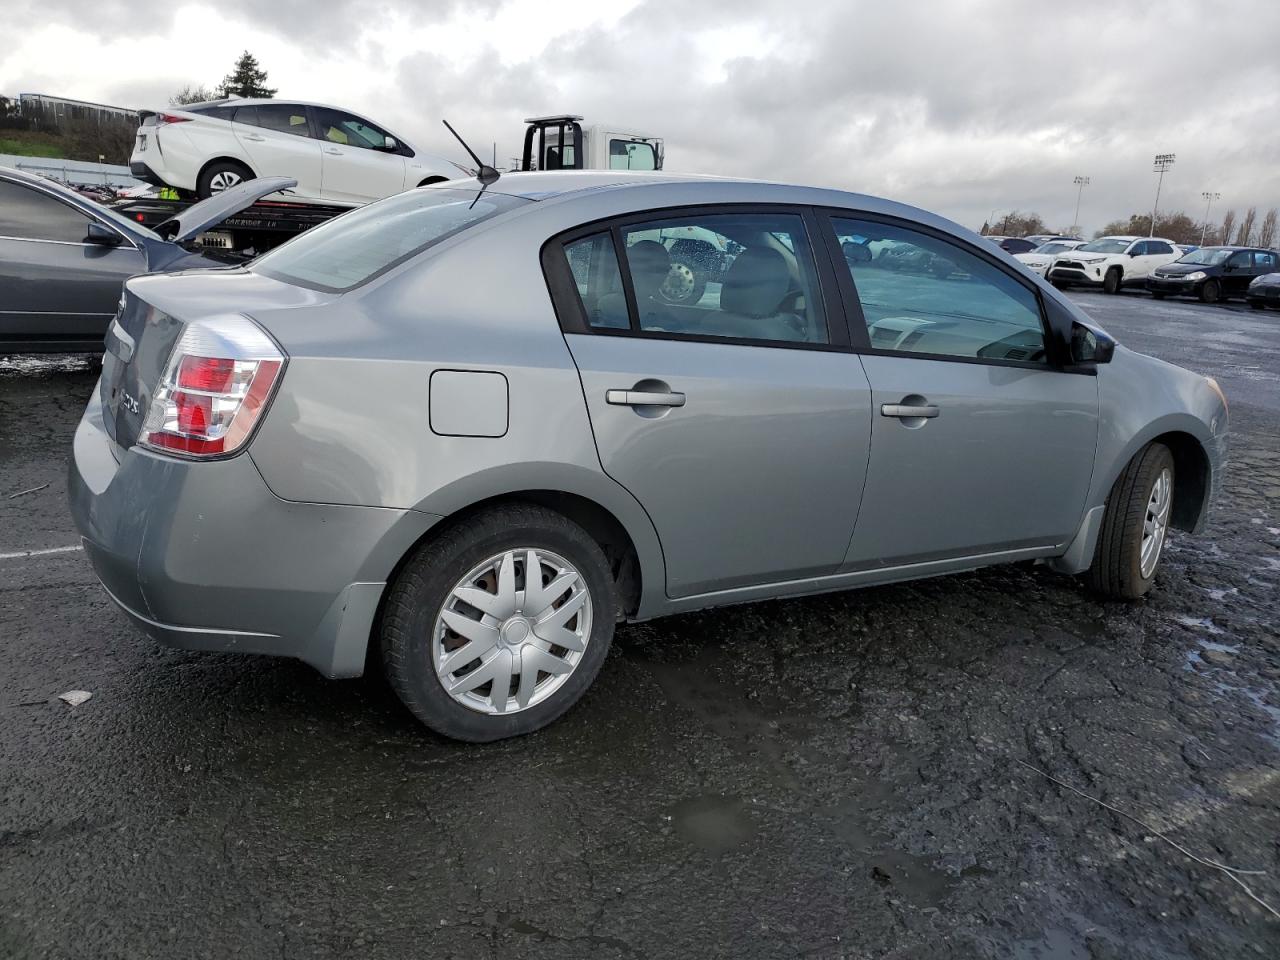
(1192, 478)
(225, 158)
(434, 178)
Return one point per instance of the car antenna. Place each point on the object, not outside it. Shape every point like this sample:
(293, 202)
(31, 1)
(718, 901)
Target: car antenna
(486, 174)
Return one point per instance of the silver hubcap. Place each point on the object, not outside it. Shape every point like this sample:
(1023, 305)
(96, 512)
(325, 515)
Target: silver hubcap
(512, 631)
(223, 180)
(1155, 523)
(678, 285)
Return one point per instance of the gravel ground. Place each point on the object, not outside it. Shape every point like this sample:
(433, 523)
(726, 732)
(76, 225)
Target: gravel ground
(839, 777)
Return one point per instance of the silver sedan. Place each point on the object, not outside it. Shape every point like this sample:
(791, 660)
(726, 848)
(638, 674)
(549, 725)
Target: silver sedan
(462, 432)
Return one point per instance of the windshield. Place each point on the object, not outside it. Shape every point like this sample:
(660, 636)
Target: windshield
(1206, 256)
(1105, 246)
(1055, 247)
(358, 246)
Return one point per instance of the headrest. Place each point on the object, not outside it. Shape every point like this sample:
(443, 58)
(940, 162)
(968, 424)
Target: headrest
(756, 283)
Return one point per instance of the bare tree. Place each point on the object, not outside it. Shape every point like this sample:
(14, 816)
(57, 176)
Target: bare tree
(1267, 232)
(1228, 225)
(189, 94)
(1245, 233)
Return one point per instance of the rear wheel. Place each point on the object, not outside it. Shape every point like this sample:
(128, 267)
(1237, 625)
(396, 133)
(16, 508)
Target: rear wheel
(1257, 305)
(1210, 292)
(684, 284)
(219, 176)
(1111, 282)
(497, 626)
(1135, 525)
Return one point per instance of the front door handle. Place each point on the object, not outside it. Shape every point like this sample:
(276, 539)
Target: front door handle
(254, 137)
(907, 411)
(643, 398)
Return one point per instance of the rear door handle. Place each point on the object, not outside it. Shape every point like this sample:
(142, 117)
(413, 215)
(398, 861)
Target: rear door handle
(906, 411)
(643, 398)
(333, 150)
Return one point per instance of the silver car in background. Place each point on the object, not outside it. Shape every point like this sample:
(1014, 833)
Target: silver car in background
(463, 430)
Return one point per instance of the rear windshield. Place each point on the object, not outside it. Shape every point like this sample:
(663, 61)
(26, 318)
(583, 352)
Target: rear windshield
(356, 247)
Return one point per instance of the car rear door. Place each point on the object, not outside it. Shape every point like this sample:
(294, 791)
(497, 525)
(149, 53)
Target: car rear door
(980, 446)
(1158, 253)
(357, 166)
(740, 422)
(277, 138)
(54, 287)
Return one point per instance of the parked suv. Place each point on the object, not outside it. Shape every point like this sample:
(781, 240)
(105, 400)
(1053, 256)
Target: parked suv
(335, 155)
(464, 426)
(1212, 273)
(1112, 262)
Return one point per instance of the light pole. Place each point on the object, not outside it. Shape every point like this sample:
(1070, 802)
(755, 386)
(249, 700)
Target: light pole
(1081, 183)
(1209, 196)
(1163, 162)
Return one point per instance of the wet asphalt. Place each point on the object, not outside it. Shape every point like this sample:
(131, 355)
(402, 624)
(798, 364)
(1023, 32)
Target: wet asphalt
(847, 776)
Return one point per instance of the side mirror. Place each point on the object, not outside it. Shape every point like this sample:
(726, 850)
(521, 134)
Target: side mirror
(102, 236)
(1090, 346)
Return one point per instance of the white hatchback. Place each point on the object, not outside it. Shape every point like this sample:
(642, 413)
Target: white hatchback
(336, 156)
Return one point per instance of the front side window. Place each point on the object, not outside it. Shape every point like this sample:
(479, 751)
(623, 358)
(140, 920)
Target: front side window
(280, 117)
(358, 246)
(343, 128)
(733, 276)
(630, 155)
(921, 294)
(27, 214)
(1241, 260)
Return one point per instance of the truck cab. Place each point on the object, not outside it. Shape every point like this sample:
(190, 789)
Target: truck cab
(567, 143)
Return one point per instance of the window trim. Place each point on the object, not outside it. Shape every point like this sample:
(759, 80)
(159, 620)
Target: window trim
(129, 241)
(1057, 341)
(572, 316)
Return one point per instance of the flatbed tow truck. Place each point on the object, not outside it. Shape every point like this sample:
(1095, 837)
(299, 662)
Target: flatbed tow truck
(560, 142)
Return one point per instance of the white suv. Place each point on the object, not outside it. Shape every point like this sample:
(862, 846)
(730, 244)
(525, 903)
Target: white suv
(336, 156)
(1112, 262)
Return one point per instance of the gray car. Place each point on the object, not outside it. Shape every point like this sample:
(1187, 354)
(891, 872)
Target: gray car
(64, 258)
(461, 431)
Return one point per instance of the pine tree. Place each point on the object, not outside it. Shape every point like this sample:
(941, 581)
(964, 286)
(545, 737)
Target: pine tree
(246, 80)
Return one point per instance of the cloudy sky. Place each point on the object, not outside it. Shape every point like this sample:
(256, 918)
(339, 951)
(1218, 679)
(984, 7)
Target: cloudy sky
(960, 107)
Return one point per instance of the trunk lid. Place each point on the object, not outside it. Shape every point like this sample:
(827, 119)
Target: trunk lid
(199, 217)
(150, 320)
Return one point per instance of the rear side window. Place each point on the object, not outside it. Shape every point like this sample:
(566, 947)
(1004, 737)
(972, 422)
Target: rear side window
(921, 294)
(740, 276)
(1155, 246)
(1263, 260)
(28, 214)
(281, 117)
(356, 247)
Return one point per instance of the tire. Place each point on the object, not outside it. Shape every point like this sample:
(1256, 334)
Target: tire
(685, 284)
(416, 609)
(1111, 282)
(1118, 571)
(1210, 291)
(1256, 305)
(1156, 294)
(218, 176)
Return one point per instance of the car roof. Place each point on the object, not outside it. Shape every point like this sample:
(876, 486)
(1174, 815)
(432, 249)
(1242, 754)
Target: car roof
(543, 184)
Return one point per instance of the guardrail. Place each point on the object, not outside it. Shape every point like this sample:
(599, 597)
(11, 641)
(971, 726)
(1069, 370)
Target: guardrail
(72, 171)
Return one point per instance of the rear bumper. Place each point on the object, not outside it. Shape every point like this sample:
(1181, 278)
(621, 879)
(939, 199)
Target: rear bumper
(145, 173)
(202, 556)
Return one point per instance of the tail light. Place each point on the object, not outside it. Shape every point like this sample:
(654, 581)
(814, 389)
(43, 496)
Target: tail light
(216, 386)
(163, 118)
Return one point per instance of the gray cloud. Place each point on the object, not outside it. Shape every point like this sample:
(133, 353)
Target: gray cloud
(961, 107)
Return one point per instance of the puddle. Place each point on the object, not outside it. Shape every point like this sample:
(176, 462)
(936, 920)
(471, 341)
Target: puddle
(1200, 623)
(1056, 944)
(715, 824)
(1220, 593)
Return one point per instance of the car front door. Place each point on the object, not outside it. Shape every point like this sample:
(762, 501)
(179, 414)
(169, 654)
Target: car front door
(56, 288)
(979, 445)
(1237, 273)
(277, 138)
(359, 165)
(741, 421)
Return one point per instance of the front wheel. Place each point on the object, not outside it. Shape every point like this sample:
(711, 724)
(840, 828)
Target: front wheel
(1111, 282)
(1210, 292)
(497, 626)
(1158, 295)
(1134, 526)
(1257, 305)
